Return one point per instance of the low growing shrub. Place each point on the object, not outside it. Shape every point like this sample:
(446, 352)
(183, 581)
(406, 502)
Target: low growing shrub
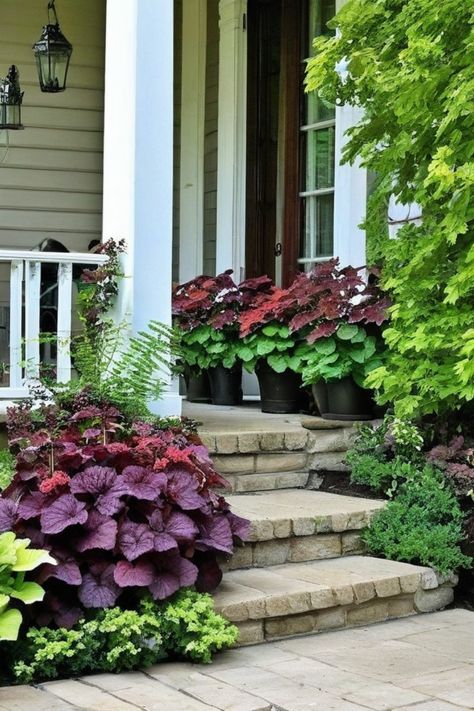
(117, 640)
(422, 525)
(7, 468)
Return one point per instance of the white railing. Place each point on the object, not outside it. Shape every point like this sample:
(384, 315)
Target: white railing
(25, 300)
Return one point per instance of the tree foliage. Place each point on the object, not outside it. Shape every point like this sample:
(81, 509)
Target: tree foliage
(410, 68)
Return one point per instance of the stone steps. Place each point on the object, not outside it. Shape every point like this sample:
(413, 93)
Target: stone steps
(299, 525)
(303, 598)
(276, 458)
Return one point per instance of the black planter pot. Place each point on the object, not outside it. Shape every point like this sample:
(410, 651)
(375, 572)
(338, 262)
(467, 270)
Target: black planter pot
(279, 392)
(343, 400)
(226, 385)
(198, 388)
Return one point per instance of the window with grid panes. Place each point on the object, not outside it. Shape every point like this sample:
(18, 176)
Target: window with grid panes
(317, 133)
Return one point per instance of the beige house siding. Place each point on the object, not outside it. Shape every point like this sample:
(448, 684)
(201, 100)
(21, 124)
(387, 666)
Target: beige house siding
(210, 138)
(51, 174)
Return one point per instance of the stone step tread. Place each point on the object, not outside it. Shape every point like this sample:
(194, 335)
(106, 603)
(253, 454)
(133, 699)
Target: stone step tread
(301, 512)
(296, 588)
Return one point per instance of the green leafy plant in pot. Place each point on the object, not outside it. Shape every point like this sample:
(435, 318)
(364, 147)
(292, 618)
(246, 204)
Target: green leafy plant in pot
(339, 315)
(336, 367)
(205, 315)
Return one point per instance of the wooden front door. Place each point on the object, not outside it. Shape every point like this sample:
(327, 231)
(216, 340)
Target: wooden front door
(263, 98)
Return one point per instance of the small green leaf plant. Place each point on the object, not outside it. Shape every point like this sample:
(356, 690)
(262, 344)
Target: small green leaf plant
(274, 344)
(205, 347)
(16, 559)
(421, 525)
(7, 468)
(116, 640)
(351, 351)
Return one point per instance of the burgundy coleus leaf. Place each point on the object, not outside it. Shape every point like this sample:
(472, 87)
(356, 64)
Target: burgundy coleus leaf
(139, 574)
(173, 572)
(98, 588)
(183, 490)
(324, 330)
(8, 514)
(64, 512)
(134, 539)
(99, 532)
(104, 484)
(28, 474)
(92, 411)
(142, 483)
(71, 457)
(215, 534)
(92, 433)
(33, 505)
(302, 319)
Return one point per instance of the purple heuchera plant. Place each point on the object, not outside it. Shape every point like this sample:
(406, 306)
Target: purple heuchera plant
(121, 517)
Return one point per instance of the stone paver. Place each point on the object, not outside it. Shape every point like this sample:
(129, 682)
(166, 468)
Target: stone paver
(405, 665)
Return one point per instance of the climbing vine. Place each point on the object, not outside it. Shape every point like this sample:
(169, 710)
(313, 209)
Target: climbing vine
(408, 64)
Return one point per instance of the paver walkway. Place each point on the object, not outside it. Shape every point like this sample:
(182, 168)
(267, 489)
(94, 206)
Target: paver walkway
(422, 663)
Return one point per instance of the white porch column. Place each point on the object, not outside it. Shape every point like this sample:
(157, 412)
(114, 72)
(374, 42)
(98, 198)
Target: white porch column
(350, 201)
(138, 159)
(193, 105)
(231, 161)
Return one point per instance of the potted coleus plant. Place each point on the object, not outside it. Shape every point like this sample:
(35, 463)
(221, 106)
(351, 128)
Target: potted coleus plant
(270, 350)
(339, 315)
(205, 315)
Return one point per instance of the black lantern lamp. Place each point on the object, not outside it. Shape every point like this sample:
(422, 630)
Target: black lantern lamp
(11, 98)
(52, 52)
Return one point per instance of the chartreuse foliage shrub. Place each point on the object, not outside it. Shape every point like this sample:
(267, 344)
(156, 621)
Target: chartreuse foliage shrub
(422, 525)
(409, 66)
(16, 559)
(116, 640)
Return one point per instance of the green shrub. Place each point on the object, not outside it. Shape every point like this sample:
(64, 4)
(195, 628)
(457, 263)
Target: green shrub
(422, 525)
(116, 640)
(383, 477)
(7, 468)
(409, 67)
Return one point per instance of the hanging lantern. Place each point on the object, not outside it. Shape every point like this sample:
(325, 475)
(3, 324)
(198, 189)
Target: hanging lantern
(52, 53)
(11, 98)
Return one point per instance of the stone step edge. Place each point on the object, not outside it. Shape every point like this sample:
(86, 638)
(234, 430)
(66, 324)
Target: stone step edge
(297, 549)
(422, 584)
(271, 442)
(253, 483)
(344, 616)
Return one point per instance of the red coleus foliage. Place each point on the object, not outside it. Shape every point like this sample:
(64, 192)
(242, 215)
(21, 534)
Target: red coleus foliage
(215, 301)
(316, 302)
(121, 516)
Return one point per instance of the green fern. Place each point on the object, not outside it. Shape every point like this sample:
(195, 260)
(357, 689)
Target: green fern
(126, 371)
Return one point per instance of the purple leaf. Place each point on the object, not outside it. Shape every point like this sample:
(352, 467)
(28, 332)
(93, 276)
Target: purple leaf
(32, 506)
(216, 534)
(104, 484)
(99, 588)
(176, 528)
(142, 483)
(183, 490)
(66, 570)
(139, 574)
(100, 532)
(135, 539)
(239, 526)
(8, 514)
(62, 513)
(173, 572)
(209, 576)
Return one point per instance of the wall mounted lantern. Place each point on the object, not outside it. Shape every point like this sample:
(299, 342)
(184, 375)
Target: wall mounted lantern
(52, 53)
(11, 97)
